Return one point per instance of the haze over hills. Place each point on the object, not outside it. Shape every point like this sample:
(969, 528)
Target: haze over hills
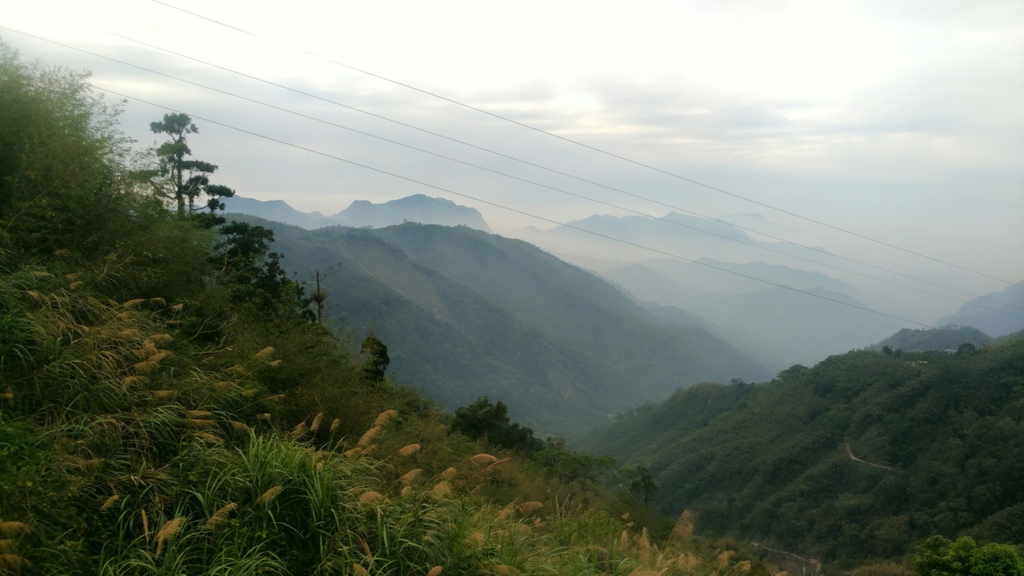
(465, 314)
(762, 301)
(779, 313)
(603, 243)
(996, 314)
(632, 238)
(780, 326)
(783, 302)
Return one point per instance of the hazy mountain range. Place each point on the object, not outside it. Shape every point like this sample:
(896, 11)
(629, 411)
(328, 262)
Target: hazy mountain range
(781, 314)
(465, 314)
(994, 314)
(691, 270)
(603, 240)
(801, 317)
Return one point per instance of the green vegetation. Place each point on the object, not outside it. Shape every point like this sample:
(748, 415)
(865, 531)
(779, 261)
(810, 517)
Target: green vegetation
(467, 314)
(938, 556)
(483, 420)
(855, 459)
(168, 406)
(185, 180)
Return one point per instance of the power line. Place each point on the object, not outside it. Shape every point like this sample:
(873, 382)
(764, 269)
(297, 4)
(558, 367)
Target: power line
(605, 152)
(554, 171)
(572, 176)
(562, 191)
(517, 211)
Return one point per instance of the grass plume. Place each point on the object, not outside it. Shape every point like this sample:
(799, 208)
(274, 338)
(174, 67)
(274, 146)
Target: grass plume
(169, 530)
(221, 515)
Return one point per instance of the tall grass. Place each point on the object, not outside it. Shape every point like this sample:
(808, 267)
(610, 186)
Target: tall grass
(137, 453)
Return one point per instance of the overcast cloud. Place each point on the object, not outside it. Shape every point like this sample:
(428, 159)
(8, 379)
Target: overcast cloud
(903, 121)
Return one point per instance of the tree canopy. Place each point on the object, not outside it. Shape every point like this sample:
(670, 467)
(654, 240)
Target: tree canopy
(859, 457)
(489, 420)
(186, 179)
(938, 556)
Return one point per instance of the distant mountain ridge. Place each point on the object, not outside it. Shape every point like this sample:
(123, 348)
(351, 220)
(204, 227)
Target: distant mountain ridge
(276, 211)
(753, 290)
(417, 208)
(996, 314)
(361, 213)
(633, 238)
(793, 316)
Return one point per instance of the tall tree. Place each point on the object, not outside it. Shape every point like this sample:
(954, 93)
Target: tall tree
(482, 419)
(375, 358)
(189, 178)
(319, 294)
(254, 274)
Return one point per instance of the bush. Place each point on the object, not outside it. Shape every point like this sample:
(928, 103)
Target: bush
(937, 556)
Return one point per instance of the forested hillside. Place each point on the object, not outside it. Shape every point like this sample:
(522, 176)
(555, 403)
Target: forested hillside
(856, 458)
(468, 313)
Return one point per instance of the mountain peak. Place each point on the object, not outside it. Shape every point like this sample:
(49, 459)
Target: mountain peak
(416, 208)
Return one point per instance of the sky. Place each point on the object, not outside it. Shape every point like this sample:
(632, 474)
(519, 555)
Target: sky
(900, 121)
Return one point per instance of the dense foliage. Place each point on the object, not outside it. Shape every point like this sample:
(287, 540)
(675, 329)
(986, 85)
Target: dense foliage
(938, 556)
(857, 458)
(489, 421)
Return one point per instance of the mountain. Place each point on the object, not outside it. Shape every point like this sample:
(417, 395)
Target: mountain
(362, 213)
(856, 458)
(417, 208)
(947, 339)
(804, 317)
(750, 288)
(995, 314)
(466, 314)
(277, 211)
(618, 240)
(720, 277)
(754, 222)
(632, 238)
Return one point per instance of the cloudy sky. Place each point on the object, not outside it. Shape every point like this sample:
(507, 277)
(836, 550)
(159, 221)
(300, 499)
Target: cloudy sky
(900, 121)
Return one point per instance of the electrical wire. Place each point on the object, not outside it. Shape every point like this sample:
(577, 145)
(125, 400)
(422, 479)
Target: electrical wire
(605, 152)
(591, 182)
(516, 210)
(517, 178)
